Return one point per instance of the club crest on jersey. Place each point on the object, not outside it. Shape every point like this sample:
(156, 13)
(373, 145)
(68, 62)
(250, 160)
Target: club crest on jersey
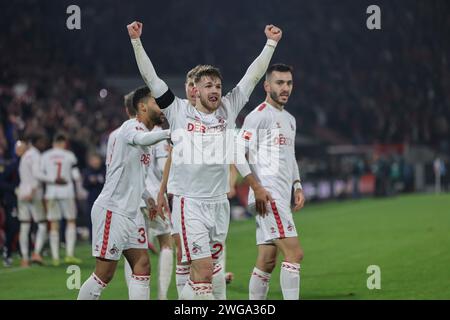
(247, 135)
(114, 250)
(278, 125)
(145, 159)
(290, 227)
(196, 248)
(272, 230)
(139, 129)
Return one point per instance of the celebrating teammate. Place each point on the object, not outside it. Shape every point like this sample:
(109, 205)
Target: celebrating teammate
(115, 230)
(201, 189)
(270, 126)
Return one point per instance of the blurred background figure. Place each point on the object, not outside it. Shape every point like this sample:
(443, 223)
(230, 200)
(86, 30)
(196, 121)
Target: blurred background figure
(93, 181)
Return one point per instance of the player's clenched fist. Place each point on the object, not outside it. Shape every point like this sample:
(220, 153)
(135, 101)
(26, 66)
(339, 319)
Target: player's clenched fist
(273, 32)
(135, 29)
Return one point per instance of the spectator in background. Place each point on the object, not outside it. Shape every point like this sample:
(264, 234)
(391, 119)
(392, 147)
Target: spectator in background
(93, 181)
(9, 180)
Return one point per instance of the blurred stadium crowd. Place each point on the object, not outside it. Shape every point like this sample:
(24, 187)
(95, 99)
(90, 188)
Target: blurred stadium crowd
(353, 86)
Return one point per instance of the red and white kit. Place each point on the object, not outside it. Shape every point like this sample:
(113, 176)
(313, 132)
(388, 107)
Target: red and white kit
(60, 163)
(268, 128)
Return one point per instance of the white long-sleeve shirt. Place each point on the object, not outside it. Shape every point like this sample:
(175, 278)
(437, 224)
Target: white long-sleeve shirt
(269, 136)
(127, 161)
(204, 172)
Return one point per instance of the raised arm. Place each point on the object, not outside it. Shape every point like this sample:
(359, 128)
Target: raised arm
(157, 86)
(258, 67)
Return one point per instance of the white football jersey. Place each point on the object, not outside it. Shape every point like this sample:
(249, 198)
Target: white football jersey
(29, 164)
(270, 134)
(154, 172)
(200, 145)
(126, 170)
(59, 163)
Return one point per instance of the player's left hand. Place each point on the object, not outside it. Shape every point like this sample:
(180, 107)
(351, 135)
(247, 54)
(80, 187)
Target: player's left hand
(151, 206)
(299, 199)
(272, 32)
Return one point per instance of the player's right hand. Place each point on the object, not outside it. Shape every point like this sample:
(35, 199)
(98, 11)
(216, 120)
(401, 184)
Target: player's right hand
(262, 197)
(60, 181)
(135, 29)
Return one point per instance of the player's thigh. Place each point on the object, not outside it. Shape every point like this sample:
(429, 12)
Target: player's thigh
(110, 233)
(138, 260)
(24, 212)
(202, 269)
(38, 211)
(195, 230)
(69, 208)
(53, 210)
(290, 248)
(267, 257)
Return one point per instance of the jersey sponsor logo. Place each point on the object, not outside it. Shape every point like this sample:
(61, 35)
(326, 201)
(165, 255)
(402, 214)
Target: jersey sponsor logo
(292, 127)
(196, 127)
(145, 159)
(282, 140)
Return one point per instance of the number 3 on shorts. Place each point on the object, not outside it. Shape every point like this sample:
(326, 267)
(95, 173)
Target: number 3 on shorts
(142, 234)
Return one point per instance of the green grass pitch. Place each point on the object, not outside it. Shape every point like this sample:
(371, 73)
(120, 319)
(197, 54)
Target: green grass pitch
(408, 237)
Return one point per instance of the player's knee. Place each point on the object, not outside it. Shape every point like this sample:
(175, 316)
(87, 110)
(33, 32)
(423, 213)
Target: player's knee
(142, 266)
(269, 265)
(295, 256)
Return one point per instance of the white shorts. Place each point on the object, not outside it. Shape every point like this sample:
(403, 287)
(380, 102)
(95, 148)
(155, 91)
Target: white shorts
(278, 224)
(113, 233)
(158, 226)
(204, 227)
(31, 210)
(59, 208)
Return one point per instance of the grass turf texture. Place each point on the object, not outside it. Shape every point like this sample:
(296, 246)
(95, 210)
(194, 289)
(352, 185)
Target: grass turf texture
(408, 237)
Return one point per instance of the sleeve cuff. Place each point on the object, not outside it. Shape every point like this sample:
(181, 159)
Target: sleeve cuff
(271, 43)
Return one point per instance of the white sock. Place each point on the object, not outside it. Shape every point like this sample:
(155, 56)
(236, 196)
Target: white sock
(290, 280)
(91, 289)
(181, 277)
(139, 287)
(165, 272)
(259, 285)
(40, 237)
(24, 239)
(128, 272)
(54, 244)
(71, 238)
(197, 291)
(219, 284)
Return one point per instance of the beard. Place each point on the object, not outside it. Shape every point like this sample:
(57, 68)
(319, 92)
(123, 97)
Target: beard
(276, 97)
(211, 106)
(158, 119)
